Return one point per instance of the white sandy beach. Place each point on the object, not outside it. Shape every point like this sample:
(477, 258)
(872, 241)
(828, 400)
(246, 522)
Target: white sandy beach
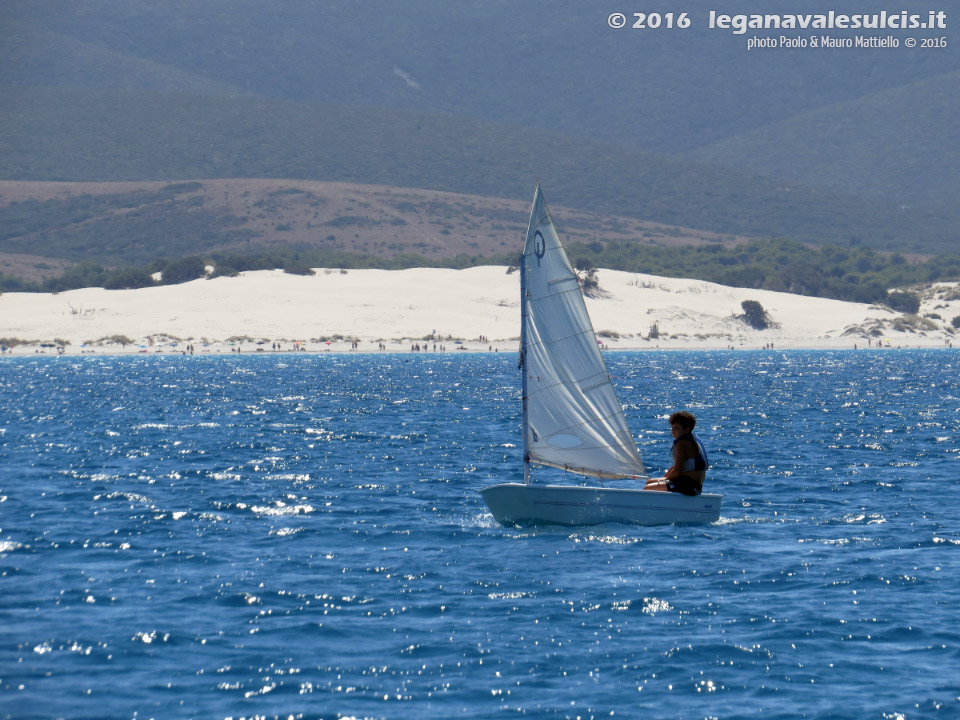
(473, 309)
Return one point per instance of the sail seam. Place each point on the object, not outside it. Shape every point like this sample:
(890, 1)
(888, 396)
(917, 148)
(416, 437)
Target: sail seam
(575, 382)
(559, 292)
(554, 341)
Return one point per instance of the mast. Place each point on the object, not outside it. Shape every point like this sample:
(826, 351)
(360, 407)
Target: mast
(523, 367)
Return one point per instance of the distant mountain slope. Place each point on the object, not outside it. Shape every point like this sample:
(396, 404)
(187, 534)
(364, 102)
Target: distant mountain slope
(850, 147)
(552, 65)
(482, 98)
(33, 56)
(81, 134)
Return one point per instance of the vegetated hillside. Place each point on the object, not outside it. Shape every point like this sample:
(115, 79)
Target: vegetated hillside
(79, 134)
(117, 224)
(850, 146)
(483, 98)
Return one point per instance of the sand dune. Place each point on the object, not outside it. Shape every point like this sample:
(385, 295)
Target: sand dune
(475, 309)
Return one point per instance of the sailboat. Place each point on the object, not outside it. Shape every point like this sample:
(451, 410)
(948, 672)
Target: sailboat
(572, 419)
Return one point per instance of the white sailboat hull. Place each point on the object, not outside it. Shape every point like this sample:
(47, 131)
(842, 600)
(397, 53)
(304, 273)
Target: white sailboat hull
(520, 504)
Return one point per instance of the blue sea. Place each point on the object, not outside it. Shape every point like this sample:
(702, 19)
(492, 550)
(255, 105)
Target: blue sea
(302, 536)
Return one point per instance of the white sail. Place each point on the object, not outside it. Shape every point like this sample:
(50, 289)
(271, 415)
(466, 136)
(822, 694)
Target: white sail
(573, 419)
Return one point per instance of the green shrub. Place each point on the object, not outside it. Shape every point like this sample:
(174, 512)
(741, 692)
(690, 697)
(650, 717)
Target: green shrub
(754, 315)
(905, 302)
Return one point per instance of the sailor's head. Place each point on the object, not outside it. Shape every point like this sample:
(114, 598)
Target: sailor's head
(683, 420)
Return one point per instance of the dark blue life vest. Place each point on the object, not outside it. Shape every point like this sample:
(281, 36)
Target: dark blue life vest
(700, 462)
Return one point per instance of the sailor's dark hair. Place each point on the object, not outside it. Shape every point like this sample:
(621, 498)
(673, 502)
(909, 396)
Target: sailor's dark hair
(684, 419)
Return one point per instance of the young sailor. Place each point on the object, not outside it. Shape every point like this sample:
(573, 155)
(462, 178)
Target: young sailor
(690, 463)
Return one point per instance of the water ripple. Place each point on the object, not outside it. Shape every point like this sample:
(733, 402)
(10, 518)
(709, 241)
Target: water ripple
(303, 536)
